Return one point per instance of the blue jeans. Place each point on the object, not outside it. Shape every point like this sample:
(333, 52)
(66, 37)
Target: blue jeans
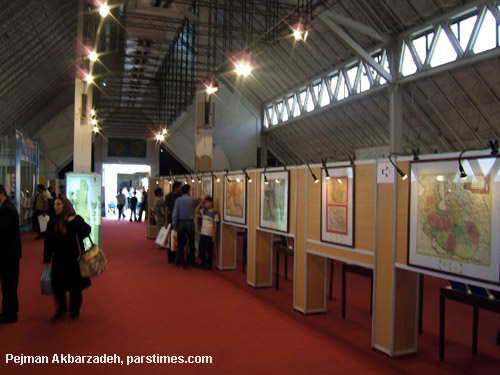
(185, 233)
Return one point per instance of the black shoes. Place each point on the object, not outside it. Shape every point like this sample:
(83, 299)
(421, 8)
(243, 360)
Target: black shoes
(7, 319)
(57, 316)
(74, 316)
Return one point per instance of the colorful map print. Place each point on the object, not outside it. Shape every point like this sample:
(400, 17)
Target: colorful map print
(454, 218)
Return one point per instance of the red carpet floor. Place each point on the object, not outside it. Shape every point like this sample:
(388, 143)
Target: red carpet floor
(143, 306)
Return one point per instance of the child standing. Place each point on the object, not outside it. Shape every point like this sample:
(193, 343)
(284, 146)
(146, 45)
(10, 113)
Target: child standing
(208, 232)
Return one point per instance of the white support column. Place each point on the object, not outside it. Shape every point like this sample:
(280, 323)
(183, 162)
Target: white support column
(396, 118)
(396, 103)
(82, 140)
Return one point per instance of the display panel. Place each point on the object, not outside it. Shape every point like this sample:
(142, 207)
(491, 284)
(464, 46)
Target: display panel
(84, 192)
(274, 200)
(235, 199)
(337, 205)
(453, 219)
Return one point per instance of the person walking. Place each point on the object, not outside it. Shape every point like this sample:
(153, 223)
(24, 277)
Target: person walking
(133, 206)
(10, 254)
(120, 203)
(208, 232)
(182, 221)
(169, 209)
(143, 206)
(40, 208)
(158, 209)
(64, 239)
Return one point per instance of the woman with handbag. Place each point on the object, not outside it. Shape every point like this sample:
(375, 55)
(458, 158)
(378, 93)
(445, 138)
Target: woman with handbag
(62, 248)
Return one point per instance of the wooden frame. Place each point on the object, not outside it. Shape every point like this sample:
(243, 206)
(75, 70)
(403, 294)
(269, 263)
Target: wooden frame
(343, 179)
(267, 219)
(235, 199)
(452, 221)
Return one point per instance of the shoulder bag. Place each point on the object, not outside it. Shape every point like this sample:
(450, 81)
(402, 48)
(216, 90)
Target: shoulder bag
(92, 262)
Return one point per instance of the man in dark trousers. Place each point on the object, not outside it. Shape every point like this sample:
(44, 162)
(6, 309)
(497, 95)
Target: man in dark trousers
(10, 253)
(183, 222)
(133, 207)
(169, 209)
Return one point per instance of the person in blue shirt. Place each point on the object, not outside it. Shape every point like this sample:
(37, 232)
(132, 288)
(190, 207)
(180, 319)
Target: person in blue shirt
(182, 221)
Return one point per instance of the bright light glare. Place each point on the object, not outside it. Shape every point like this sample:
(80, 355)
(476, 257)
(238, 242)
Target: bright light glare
(305, 35)
(404, 177)
(440, 178)
(212, 90)
(277, 181)
(93, 122)
(316, 181)
(297, 34)
(243, 68)
(339, 181)
(92, 112)
(89, 78)
(160, 137)
(104, 10)
(218, 179)
(96, 129)
(164, 131)
(238, 179)
(92, 56)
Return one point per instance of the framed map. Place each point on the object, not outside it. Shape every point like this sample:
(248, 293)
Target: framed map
(235, 199)
(454, 222)
(206, 186)
(274, 202)
(337, 205)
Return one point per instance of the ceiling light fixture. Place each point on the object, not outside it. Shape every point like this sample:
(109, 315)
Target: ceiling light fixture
(160, 137)
(92, 56)
(89, 78)
(104, 10)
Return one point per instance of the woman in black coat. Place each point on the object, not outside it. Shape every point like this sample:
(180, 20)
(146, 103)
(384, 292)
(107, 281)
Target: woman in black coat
(61, 247)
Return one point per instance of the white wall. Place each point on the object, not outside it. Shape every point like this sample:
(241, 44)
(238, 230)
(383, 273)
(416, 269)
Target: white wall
(236, 133)
(101, 156)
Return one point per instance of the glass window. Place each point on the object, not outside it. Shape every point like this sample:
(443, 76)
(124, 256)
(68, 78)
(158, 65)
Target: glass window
(487, 36)
(310, 102)
(444, 51)
(343, 89)
(463, 30)
(408, 66)
(364, 82)
(422, 44)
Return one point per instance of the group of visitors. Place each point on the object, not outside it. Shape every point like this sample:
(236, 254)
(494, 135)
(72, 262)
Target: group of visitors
(181, 211)
(63, 239)
(127, 198)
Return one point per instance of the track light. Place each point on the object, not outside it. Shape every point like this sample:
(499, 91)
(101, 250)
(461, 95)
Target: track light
(249, 179)
(95, 129)
(192, 179)
(160, 137)
(92, 112)
(164, 131)
(265, 176)
(403, 175)
(199, 179)
(312, 174)
(89, 78)
(93, 122)
(415, 153)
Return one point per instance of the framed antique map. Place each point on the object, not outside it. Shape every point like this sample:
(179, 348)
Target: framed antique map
(235, 199)
(454, 221)
(337, 205)
(206, 186)
(274, 200)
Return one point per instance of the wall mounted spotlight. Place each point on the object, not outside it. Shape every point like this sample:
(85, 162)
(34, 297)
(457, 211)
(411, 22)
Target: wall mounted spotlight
(323, 161)
(312, 174)
(415, 153)
(494, 147)
(403, 175)
(265, 176)
(199, 179)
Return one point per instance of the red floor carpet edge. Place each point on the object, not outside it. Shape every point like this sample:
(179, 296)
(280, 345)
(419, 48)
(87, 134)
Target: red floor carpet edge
(143, 306)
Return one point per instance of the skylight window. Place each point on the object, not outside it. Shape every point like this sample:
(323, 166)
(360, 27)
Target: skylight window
(487, 36)
(408, 66)
(463, 30)
(444, 51)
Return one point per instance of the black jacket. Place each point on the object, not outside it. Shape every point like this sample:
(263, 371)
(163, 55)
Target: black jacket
(62, 250)
(10, 243)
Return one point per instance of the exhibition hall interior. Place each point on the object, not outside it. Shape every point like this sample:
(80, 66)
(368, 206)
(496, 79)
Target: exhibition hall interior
(281, 186)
